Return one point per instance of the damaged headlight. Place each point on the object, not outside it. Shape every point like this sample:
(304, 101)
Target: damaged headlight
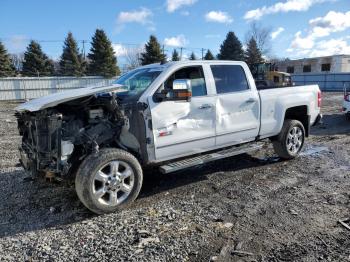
(67, 148)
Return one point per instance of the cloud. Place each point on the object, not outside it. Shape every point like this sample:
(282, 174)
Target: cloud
(173, 5)
(16, 43)
(281, 7)
(219, 17)
(142, 16)
(302, 42)
(323, 26)
(276, 33)
(331, 47)
(119, 49)
(320, 27)
(185, 56)
(331, 22)
(322, 48)
(176, 41)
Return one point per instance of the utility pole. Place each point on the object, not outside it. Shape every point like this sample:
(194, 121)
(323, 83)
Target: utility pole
(84, 49)
(181, 53)
(202, 53)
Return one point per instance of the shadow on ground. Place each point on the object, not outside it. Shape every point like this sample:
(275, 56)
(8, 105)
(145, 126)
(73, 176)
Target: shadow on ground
(333, 124)
(37, 204)
(155, 182)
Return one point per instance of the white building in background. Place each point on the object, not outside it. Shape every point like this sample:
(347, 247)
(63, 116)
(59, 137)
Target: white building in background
(326, 64)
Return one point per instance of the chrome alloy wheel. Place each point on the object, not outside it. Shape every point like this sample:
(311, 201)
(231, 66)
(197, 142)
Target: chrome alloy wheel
(295, 140)
(113, 183)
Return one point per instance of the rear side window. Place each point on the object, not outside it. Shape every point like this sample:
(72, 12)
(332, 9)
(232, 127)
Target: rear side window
(229, 78)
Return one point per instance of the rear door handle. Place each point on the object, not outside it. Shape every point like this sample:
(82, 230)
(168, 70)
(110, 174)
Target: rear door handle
(205, 106)
(251, 100)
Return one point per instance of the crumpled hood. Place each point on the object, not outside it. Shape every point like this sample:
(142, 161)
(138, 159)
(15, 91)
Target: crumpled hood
(65, 96)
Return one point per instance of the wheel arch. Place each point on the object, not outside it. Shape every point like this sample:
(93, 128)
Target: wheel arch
(299, 113)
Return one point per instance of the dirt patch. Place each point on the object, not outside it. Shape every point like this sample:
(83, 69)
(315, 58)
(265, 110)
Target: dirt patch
(269, 209)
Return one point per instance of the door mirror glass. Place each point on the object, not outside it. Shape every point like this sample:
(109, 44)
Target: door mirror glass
(181, 91)
(182, 84)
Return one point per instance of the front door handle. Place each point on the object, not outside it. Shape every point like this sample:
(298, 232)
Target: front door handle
(251, 100)
(205, 106)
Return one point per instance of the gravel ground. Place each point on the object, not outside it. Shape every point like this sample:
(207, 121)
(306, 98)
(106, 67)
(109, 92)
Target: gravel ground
(246, 208)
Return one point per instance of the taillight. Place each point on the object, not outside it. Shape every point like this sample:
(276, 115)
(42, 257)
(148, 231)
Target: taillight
(347, 97)
(319, 99)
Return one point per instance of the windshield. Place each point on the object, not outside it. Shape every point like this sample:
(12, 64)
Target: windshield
(136, 81)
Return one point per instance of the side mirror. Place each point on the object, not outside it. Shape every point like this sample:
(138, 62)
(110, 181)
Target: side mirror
(182, 84)
(181, 91)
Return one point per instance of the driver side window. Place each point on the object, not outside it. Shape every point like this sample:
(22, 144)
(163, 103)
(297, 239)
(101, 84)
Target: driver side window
(193, 73)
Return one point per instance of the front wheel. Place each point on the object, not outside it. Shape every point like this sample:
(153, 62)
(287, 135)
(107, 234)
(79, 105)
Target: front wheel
(290, 140)
(108, 180)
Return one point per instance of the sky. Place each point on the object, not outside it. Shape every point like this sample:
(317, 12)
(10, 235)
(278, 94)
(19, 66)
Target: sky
(299, 28)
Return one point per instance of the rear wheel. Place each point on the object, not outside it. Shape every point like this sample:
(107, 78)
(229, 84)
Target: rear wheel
(290, 140)
(109, 180)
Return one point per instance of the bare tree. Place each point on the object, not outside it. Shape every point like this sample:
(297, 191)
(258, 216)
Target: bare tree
(132, 57)
(278, 63)
(17, 61)
(262, 37)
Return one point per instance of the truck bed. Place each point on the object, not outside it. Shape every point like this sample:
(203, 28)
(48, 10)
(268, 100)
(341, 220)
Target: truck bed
(275, 101)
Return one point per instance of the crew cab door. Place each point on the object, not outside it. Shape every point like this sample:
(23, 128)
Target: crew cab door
(184, 127)
(237, 105)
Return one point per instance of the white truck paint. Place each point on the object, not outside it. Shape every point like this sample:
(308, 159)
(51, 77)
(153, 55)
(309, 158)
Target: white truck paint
(219, 120)
(58, 98)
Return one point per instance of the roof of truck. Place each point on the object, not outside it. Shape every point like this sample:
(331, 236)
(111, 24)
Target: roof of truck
(185, 62)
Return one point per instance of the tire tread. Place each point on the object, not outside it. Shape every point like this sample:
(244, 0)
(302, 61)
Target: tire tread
(87, 168)
(279, 143)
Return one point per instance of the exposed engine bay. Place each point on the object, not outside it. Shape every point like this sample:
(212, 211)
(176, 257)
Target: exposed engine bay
(57, 139)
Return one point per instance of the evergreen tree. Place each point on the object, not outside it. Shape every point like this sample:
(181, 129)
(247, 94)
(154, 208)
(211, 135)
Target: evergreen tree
(253, 54)
(103, 61)
(193, 56)
(175, 56)
(208, 55)
(71, 63)
(6, 67)
(152, 53)
(231, 48)
(36, 62)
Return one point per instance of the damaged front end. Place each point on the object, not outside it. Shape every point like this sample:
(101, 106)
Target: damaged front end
(55, 140)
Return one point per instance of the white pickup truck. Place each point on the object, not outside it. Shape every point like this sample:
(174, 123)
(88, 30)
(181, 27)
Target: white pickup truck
(173, 116)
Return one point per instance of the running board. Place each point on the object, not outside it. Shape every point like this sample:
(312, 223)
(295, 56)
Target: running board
(202, 159)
